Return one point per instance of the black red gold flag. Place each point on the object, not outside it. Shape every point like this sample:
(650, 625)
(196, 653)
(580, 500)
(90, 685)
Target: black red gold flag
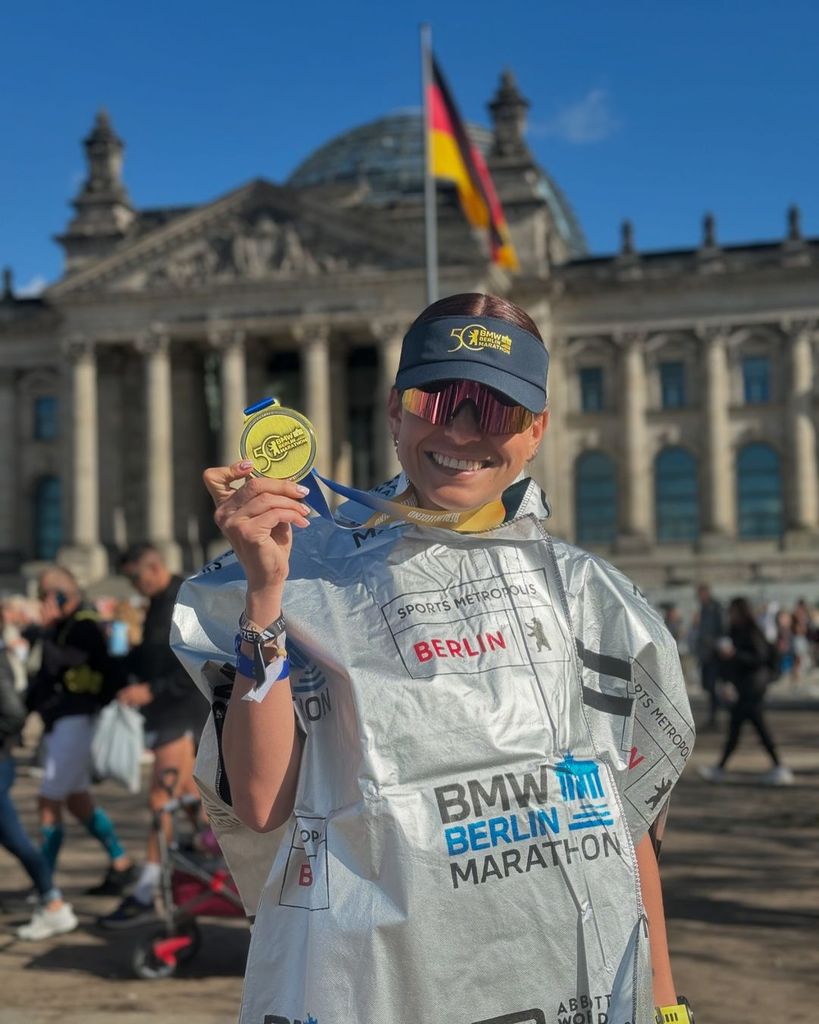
(454, 157)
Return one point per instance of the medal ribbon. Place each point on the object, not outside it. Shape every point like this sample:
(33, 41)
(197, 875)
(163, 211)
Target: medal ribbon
(386, 510)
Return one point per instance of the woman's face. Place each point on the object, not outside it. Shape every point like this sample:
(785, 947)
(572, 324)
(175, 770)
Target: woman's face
(458, 466)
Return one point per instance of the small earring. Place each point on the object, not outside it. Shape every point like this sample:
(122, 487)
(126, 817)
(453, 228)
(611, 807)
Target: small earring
(395, 443)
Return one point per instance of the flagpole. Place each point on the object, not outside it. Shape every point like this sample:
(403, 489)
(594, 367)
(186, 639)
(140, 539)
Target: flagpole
(430, 212)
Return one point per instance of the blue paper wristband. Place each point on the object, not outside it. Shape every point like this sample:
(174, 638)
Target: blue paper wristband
(245, 667)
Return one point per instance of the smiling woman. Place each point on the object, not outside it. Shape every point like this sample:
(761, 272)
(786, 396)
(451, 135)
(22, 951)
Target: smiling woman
(468, 409)
(465, 690)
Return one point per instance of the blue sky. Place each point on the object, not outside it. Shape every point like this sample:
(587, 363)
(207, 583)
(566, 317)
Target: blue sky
(648, 110)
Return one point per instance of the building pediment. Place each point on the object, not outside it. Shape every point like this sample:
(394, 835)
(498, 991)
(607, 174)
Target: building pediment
(260, 232)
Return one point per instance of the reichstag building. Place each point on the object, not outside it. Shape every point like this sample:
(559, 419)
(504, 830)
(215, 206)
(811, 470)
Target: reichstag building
(683, 389)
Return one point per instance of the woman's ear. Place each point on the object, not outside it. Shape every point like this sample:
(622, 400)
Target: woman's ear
(538, 428)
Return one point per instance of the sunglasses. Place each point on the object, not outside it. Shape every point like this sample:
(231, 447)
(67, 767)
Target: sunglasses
(439, 404)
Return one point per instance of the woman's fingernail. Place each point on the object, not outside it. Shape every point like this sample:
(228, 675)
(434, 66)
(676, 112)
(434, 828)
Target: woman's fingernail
(305, 510)
(246, 464)
(302, 489)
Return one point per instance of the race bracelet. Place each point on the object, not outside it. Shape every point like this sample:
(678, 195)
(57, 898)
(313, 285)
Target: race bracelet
(270, 640)
(275, 670)
(255, 634)
(679, 1013)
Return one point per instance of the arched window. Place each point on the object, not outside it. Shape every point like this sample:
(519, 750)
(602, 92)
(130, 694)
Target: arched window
(676, 495)
(48, 519)
(759, 491)
(595, 490)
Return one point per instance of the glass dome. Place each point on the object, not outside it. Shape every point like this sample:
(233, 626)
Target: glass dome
(388, 155)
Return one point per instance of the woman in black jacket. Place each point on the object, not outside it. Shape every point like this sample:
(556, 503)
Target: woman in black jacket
(748, 664)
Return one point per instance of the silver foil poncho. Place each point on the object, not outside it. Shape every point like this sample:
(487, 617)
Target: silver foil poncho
(492, 723)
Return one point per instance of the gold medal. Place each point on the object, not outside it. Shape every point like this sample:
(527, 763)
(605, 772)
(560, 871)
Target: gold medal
(281, 443)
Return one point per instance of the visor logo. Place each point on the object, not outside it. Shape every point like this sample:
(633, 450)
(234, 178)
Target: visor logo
(475, 338)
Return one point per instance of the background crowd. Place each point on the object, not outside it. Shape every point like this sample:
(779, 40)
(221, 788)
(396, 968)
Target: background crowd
(63, 657)
(793, 629)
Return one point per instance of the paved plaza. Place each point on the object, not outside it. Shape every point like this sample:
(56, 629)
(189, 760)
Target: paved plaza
(742, 894)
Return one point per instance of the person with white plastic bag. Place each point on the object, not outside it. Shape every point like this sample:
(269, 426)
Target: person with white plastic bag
(462, 815)
(173, 713)
(117, 747)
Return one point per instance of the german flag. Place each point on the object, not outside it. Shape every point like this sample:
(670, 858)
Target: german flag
(453, 157)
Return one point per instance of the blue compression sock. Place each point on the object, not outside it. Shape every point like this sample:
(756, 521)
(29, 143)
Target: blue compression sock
(102, 829)
(52, 841)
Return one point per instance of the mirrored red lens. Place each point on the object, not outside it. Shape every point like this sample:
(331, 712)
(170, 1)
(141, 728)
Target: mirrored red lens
(495, 414)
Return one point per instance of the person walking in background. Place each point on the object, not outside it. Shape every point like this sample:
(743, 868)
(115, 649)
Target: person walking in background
(800, 625)
(20, 618)
(52, 916)
(784, 642)
(174, 713)
(749, 662)
(709, 630)
(673, 621)
(76, 678)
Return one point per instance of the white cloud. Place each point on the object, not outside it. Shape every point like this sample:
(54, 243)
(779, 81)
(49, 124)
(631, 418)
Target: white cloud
(586, 120)
(31, 289)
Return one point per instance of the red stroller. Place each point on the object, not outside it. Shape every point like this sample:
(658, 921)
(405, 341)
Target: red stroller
(194, 884)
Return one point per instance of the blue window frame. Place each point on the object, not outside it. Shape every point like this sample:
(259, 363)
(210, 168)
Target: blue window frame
(45, 418)
(756, 379)
(676, 496)
(591, 389)
(672, 385)
(595, 492)
(48, 518)
(759, 492)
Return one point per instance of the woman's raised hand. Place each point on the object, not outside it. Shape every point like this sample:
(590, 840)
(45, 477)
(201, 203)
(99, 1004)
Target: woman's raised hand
(256, 518)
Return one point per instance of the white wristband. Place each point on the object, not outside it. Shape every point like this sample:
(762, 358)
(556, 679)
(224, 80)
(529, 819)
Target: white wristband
(275, 670)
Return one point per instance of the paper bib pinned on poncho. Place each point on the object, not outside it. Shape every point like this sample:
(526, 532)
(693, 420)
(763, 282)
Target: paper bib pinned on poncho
(492, 722)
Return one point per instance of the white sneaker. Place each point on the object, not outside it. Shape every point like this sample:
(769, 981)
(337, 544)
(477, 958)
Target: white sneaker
(47, 923)
(779, 776)
(712, 772)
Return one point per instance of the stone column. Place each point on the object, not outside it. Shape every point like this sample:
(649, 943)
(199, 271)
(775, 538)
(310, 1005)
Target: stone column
(548, 467)
(85, 556)
(340, 454)
(155, 346)
(637, 506)
(802, 431)
(315, 356)
(720, 503)
(389, 334)
(233, 386)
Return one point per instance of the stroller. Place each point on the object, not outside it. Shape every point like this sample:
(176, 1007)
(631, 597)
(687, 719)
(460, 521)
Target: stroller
(194, 883)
